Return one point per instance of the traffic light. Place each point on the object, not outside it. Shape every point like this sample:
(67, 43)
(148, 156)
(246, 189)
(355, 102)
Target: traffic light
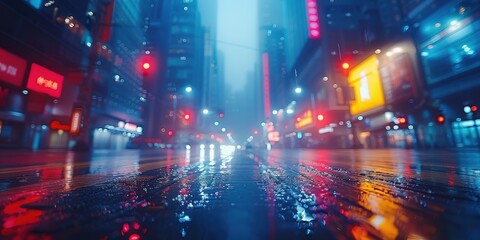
(146, 65)
(402, 120)
(440, 119)
(346, 65)
(320, 117)
(186, 116)
(170, 133)
(473, 108)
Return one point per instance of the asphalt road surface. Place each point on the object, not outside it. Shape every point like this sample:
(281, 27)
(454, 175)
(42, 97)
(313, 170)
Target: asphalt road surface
(226, 193)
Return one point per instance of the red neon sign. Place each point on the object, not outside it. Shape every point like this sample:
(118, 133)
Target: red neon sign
(45, 81)
(313, 23)
(75, 121)
(266, 86)
(12, 68)
(56, 125)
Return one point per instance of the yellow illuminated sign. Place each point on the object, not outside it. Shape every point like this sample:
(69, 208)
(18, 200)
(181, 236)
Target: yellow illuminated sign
(365, 81)
(304, 120)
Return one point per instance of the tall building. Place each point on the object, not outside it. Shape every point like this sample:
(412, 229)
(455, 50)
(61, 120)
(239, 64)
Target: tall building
(78, 81)
(272, 75)
(451, 65)
(319, 51)
(182, 85)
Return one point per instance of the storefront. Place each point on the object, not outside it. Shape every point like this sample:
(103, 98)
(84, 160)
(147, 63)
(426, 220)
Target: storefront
(12, 116)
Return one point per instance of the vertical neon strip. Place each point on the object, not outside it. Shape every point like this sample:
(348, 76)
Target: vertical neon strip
(266, 86)
(312, 19)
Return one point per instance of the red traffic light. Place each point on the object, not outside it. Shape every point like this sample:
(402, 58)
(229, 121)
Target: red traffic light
(440, 119)
(146, 66)
(402, 120)
(474, 108)
(345, 65)
(320, 117)
(170, 133)
(186, 116)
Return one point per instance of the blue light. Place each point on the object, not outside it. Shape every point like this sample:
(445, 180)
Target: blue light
(35, 3)
(299, 135)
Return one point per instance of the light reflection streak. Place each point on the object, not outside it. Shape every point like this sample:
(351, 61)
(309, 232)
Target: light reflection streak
(68, 172)
(187, 155)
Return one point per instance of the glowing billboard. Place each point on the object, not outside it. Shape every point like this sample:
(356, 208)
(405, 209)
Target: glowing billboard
(45, 81)
(304, 120)
(365, 81)
(12, 68)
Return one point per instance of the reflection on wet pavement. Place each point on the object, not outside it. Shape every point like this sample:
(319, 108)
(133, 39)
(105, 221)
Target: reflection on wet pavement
(218, 192)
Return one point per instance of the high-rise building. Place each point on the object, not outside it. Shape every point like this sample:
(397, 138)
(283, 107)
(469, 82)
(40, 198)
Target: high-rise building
(183, 82)
(324, 38)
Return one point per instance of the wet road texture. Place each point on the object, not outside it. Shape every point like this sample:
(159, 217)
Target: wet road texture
(225, 193)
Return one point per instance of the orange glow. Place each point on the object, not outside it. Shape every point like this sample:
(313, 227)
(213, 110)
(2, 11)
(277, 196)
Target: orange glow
(402, 120)
(345, 65)
(365, 81)
(440, 119)
(305, 119)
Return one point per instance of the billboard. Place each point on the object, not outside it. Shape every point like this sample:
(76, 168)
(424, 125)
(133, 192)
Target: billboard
(364, 79)
(43, 80)
(12, 68)
(398, 78)
(304, 120)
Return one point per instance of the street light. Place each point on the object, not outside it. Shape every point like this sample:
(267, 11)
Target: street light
(188, 89)
(205, 111)
(298, 90)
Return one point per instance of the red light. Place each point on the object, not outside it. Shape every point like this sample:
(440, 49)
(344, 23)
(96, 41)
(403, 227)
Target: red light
(146, 66)
(474, 108)
(299, 119)
(221, 115)
(170, 133)
(320, 117)
(255, 132)
(187, 116)
(345, 65)
(440, 119)
(402, 120)
(134, 237)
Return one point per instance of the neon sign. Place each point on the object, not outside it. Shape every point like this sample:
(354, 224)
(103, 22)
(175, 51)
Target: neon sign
(304, 120)
(313, 23)
(45, 81)
(12, 68)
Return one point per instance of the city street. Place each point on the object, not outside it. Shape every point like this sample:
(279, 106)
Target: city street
(220, 192)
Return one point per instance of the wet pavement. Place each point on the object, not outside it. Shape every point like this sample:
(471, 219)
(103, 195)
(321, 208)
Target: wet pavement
(224, 193)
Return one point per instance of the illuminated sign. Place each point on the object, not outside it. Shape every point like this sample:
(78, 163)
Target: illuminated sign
(130, 127)
(45, 81)
(56, 125)
(313, 23)
(266, 86)
(273, 136)
(398, 78)
(75, 121)
(12, 68)
(365, 81)
(304, 120)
